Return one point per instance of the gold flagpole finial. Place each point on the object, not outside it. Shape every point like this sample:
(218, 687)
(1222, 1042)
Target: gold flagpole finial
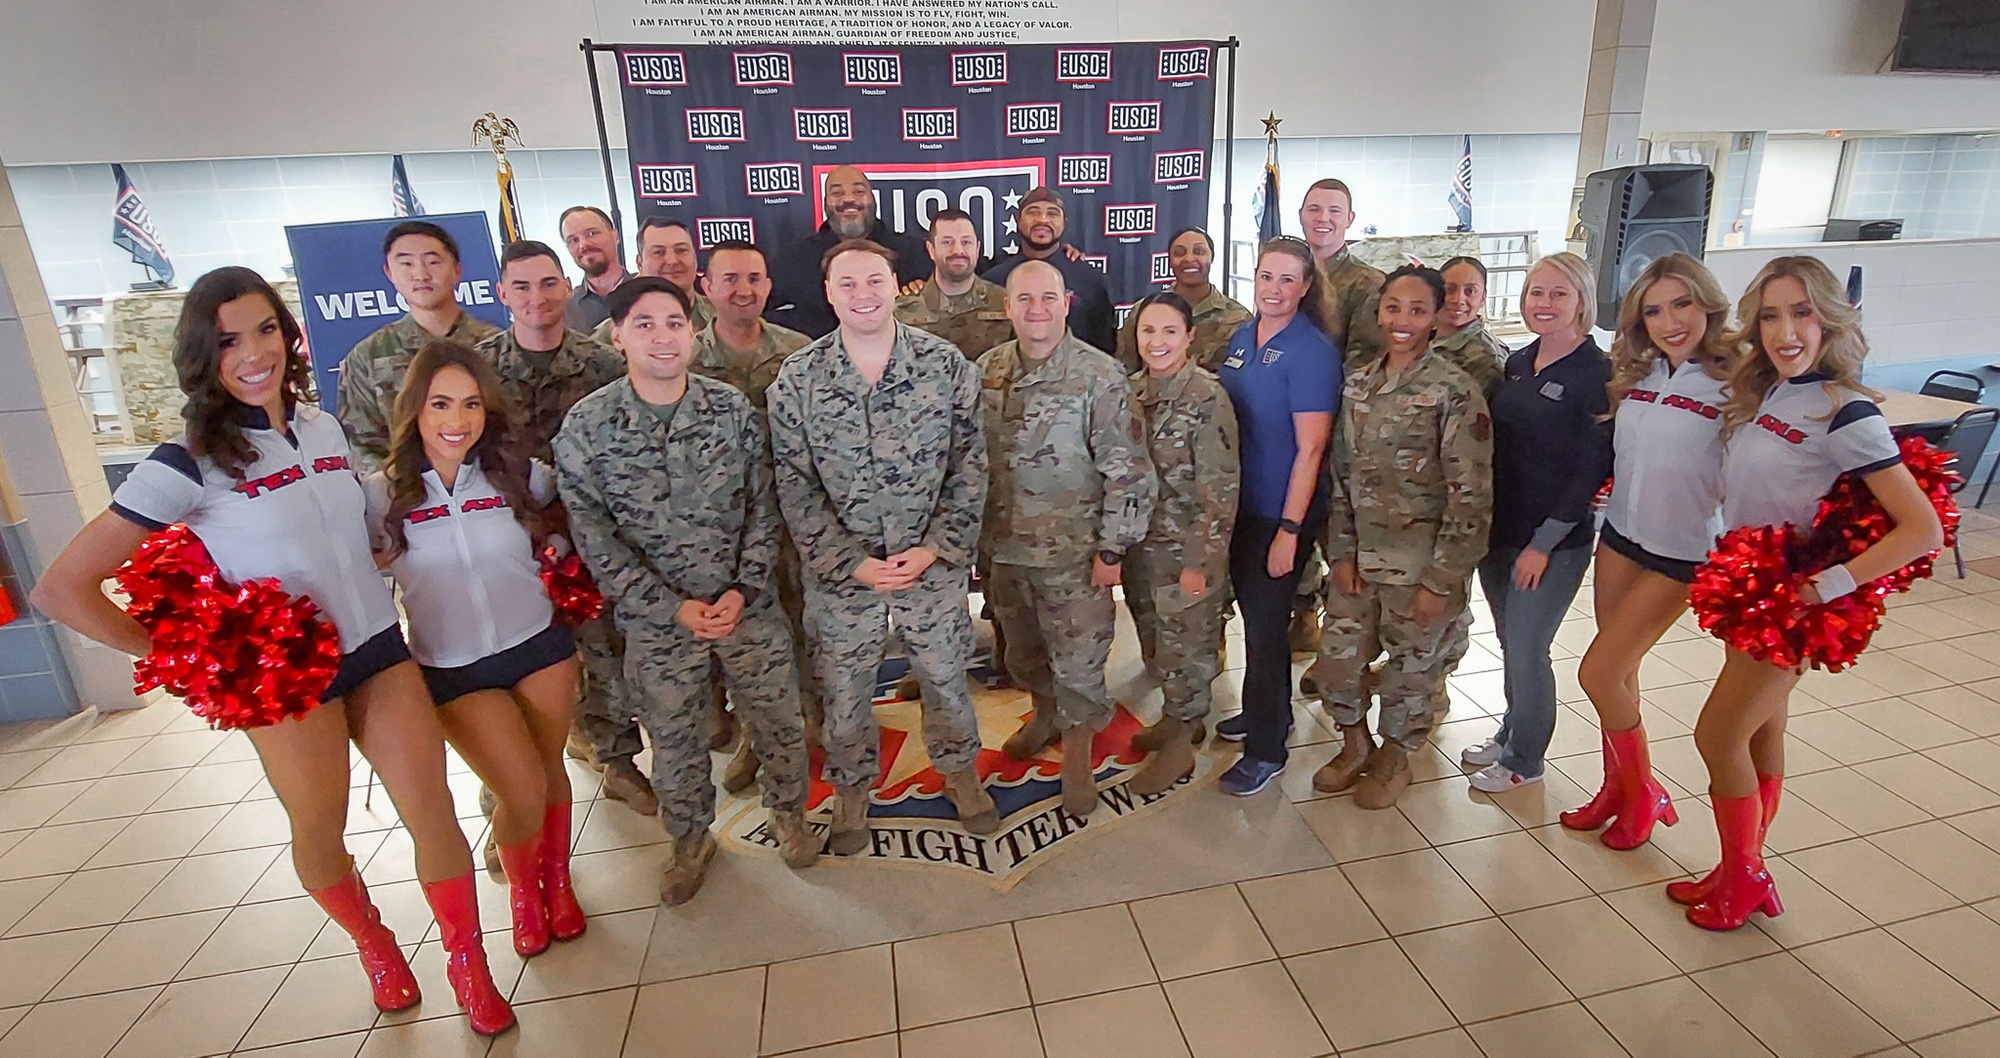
(494, 131)
(1271, 123)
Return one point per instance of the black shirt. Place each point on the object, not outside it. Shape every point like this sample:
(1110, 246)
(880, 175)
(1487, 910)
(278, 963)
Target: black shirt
(798, 290)
(1551, 448)
(1090, 314)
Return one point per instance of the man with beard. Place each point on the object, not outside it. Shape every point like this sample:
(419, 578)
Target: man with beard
(954, 303)
(593, 245)
(798, 290)
(1041, 224)
(666, 251)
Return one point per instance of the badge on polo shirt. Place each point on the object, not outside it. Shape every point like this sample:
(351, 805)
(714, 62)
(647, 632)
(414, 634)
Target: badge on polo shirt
(1235, 359)
(1552, 390)
(1272, 354)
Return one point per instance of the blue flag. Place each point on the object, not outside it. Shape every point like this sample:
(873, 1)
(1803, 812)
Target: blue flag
(1461, 189)
(132, 229)
(400, 195)
(1264, 201)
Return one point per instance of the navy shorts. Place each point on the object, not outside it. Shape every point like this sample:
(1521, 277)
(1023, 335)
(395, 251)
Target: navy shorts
(1671, 568)
(500, 672)
(384, 650)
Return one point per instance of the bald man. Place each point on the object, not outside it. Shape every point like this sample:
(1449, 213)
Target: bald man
(798, 290)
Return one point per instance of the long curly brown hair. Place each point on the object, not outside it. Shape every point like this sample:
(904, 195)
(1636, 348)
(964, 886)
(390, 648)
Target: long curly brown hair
(213, 415)
(501, 449)
(1633, 351)
(1316, 304)
(1842, 345)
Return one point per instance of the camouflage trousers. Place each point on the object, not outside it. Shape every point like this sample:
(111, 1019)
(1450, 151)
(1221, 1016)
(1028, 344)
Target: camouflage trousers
(1457, 643)
(786, 579)
(1058, 628)
(1382, 618)
(849, 626)
(1179, 637)
(667, 669)
(605, 710)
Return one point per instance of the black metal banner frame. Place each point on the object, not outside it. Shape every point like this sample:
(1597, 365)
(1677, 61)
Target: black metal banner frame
(591, 49)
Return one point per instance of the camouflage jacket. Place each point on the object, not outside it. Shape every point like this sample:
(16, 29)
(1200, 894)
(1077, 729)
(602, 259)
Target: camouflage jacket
(1191, 431)
(1071, 476)
(373, 373)
(1215, 321)
(876, 470)
(975, 321)
(751, 371)
(704, 311)
(1475, 351)
(1412, 475)
(660, 514)
(543, 388)
(1353, 290)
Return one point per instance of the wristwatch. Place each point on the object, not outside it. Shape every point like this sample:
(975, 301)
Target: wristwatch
(1290, 526)
(1110, 558)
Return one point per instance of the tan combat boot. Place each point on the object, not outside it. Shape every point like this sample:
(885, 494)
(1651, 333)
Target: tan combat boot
(1305, 632)
(578, 748)
(796, 843)
(1172, 759)
(624, 782)
(687, 868)
(724, 731)
(1079, 786)
(1035, 735)
(741, 770)
(850, 821)
(1341, 773)
(1168, 730)
(1385, 778)
(976, 812)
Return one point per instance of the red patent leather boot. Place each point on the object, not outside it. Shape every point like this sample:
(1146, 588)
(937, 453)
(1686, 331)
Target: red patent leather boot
(523, 864)
(565, 916)
(1769, 789)
(389, 975)
(1598, 810)
(455, 903)
(1742, 885)
(1641, 800)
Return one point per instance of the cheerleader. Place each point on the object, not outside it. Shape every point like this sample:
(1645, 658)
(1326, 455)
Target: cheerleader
(1668, 364)
(455, 513)
(264, 479)
(1795, 418)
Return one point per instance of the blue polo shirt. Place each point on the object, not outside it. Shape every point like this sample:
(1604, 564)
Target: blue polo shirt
(1298, 370)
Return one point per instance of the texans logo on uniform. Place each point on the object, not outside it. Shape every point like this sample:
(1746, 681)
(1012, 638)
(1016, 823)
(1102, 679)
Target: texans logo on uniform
(1176, 167)
(774, 179)
(329, 464)
(930, 123)
(907, 196)
(754, 68)
(1163, 269)
(484, 503)
(715, 125)
(1181, 64)
(712, 230)
(872, 70)
(1083, 170)
(655, 69)
(667, 181)
(428, 514)
(1130, 220)
(1083, 64)
(1132, 119)
(255, 487)
(823, 126)
(978, 67)
(1034, 119)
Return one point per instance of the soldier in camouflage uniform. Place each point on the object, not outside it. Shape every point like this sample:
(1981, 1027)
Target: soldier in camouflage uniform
(881, 471)
(740, 347)
(545, 368)
(954, 303)
(1412, 501)
(1176, 580)
(421, 261)
(1351, 286)
(668, 484)
(1216, 315)
(666, 251)
(1072, 492)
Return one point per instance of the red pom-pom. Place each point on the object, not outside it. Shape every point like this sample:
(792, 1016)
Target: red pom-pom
(570, 587)
(240, 657)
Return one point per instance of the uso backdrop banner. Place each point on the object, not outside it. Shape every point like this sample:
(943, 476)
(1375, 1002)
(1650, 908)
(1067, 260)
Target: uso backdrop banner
(347, 296)
(739, 139)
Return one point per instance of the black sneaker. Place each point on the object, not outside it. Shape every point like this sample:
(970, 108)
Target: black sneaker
(1233, 728)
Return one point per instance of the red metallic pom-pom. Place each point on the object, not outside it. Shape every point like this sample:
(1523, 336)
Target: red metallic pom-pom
(240, 657)
(570, 587)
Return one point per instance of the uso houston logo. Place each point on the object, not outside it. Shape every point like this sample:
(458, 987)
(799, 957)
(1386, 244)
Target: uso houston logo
(1075, 65)
(1183, 64)
(667, 181)
(655, 69)
(774, 179)
(978, 67)
(823, 126)
(1175, 167)
(1083, 170)
(1163, 269)
(930, 123)
(1132, 119)
(715, 125)
(1130, 220)
(712, 230)
(756, 68)
(872, 69)
(1034, 119)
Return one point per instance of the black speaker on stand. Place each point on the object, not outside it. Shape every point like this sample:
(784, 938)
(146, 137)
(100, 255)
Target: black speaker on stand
(1636, 215)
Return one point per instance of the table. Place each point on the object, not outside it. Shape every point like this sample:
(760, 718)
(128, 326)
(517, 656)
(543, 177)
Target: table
(1906, 410)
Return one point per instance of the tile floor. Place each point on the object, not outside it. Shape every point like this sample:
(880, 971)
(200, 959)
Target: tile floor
(147, 907)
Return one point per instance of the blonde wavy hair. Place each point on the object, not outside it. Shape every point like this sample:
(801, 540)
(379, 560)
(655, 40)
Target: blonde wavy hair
(1633, 351)
(1842, 345)
(1576, 272)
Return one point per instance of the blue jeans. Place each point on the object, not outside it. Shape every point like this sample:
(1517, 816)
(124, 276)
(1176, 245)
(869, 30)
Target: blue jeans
(1526, 622)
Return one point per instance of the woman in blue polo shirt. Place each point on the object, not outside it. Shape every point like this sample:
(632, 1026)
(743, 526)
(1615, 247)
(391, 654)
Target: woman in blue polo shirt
(1796, 419)
(1283, 376)
(263, 478)
(456, 513)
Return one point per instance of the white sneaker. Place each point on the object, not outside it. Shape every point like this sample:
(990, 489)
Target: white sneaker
(1480, 754)
(1495, 778)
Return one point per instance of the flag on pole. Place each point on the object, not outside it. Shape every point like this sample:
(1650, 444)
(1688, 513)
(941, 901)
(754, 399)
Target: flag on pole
(400, 195)
(132, 229)
(510, 206)
(1264, 201)
(1461, 189)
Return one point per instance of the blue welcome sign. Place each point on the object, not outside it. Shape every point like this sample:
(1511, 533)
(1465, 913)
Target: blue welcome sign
(346, 296)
